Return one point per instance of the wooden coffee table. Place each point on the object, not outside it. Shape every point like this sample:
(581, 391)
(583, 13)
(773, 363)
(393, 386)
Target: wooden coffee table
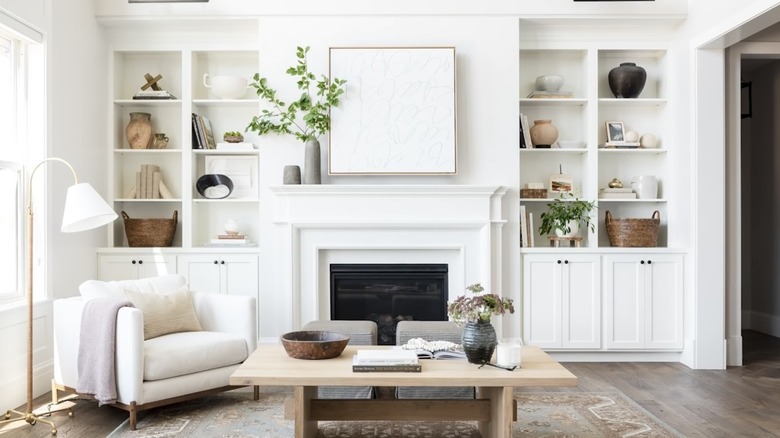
(494, 408)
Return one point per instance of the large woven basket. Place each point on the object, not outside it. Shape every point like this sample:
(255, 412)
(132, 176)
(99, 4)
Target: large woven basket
(150, 232)
(633, 232)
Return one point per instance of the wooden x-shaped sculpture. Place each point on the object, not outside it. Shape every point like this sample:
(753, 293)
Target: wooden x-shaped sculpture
(152, 82)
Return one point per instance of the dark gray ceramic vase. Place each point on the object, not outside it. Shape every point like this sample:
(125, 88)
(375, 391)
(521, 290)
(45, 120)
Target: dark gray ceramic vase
(312, 164)
(627, 80)
(479, 341)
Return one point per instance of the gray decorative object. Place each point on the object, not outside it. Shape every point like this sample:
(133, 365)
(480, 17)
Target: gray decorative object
(312, 165)
(292, 174)
(479, 341)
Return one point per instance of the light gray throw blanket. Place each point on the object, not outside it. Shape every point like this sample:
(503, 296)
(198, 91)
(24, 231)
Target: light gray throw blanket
(97, 345)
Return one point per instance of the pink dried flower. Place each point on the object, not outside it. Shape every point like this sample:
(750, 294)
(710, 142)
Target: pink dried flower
(479, 306)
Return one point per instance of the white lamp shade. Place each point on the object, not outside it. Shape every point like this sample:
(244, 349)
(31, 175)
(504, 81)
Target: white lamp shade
(85, 209)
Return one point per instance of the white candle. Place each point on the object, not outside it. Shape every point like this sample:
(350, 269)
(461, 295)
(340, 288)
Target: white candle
(508, 352)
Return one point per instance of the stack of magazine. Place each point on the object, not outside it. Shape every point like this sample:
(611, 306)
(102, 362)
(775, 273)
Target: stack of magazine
(386, 360)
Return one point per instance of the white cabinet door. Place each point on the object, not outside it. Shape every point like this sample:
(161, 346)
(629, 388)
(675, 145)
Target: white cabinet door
(664, 302)
(235, 274)
(581, 302)
(542, 300)
(624, 295)
(562, 301)
(202, 272)
(644, 299)
(134, 266)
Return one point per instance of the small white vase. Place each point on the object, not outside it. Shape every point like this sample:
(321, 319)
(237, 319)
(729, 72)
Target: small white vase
(574, 226)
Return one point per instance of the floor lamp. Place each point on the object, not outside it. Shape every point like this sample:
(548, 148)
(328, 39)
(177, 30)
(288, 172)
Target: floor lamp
(84, 210)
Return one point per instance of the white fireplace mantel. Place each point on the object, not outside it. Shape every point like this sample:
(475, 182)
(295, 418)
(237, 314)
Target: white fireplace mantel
(317, 225)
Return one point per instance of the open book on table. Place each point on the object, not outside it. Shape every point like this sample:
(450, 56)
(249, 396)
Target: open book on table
(434, 349)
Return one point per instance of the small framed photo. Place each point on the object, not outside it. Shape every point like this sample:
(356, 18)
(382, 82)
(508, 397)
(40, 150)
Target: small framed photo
(240, 169)
(561, 183)
(615, 132)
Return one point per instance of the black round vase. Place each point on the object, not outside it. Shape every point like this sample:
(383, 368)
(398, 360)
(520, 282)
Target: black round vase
(479, 341)
(627, 80)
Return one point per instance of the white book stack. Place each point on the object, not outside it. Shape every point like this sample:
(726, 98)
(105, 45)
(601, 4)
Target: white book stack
(616, 193)
(243, 146)
(386, 357)
(236, 240)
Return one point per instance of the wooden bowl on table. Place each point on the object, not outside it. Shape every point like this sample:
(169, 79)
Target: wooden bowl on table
(314, 345)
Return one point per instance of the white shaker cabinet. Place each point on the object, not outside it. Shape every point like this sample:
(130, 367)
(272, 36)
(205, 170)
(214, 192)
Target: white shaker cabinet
(644, 301)
(134, 266)
(562, 300)
(234, 274)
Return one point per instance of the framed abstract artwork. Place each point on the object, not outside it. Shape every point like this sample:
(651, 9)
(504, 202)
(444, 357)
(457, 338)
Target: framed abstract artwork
(397, 115)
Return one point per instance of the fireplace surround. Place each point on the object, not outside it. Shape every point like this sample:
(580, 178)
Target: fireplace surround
(319, 225)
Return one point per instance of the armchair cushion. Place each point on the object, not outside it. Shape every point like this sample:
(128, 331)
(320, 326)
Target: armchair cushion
(165, 313)
(160, 284)
(179, 354)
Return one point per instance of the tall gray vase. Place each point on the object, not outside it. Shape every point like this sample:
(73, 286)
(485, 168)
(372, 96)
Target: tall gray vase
(312, 163)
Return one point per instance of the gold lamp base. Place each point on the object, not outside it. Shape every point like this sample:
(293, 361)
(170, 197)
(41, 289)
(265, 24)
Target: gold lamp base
(28, 417)
(34, 417)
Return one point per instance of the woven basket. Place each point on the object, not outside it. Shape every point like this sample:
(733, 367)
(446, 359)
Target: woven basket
(633, 232)
(150, 232)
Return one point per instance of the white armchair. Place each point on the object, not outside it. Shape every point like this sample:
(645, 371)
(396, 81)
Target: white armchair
(164, 369)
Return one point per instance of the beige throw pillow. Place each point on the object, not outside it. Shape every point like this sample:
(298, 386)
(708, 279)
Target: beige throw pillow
(165, 313)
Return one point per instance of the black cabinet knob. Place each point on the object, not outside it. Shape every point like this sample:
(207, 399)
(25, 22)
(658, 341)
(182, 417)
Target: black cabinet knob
(133, 262)
(642, 262)
(140, 262)
(559, 262)
(222, 262)
(566, 261)
(216, 262)
(649, 262)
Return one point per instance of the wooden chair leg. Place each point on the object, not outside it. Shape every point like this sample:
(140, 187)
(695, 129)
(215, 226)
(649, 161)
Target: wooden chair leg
(133, 415)
(256, 393)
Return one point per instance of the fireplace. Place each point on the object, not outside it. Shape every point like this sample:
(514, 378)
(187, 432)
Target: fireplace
(388, 293)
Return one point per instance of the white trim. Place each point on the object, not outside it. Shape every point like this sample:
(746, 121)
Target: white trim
(19, 28)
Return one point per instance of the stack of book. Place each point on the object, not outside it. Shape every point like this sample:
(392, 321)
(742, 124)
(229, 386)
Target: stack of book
(243, 146)
(231, 240)
(153, 95)
(202, 134)
(551, 95)
(386, 360)
(616, 193)
(147, 182)
(622, 144)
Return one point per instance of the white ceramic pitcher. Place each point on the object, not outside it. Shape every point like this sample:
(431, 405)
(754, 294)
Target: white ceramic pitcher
(225, 86)
(645, 186)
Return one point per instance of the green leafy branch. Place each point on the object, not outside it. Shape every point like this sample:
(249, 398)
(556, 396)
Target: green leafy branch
(314, 114)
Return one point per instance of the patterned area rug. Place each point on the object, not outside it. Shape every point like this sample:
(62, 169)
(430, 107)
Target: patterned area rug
(235, 415)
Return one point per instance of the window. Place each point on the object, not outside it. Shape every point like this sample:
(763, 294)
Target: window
(20, 96)
(11, 231)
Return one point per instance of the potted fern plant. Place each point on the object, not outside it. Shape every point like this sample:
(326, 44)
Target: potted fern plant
(565, 215)
(307, 118)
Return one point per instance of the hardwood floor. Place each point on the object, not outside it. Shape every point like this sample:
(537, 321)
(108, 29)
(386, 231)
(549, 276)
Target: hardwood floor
(738, 402)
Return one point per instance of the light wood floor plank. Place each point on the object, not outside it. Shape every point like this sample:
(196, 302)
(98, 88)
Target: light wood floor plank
(741, 401)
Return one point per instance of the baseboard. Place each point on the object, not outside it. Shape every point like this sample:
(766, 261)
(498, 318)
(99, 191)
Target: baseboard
(765, 323)
(616, 356)
(734, 351)
(14, 391)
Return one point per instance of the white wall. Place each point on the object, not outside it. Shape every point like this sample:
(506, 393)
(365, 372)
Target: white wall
(75, 84)
(487, 87)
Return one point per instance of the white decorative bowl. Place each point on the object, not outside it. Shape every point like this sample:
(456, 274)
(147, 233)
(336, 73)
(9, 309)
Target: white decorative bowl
(571, 144)
(549, 82)
(226, 86)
